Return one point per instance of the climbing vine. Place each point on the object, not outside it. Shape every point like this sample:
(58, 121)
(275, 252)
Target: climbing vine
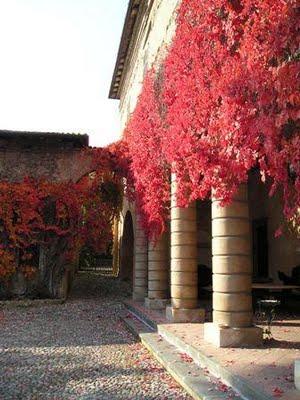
(150, 171)
(34, 212)
(225, 99)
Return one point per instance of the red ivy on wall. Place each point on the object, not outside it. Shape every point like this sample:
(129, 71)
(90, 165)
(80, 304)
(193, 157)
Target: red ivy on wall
(150, 171)
(34, 212)
(225, 99)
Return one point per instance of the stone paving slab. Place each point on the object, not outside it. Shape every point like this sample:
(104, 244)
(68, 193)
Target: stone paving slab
(263, 373)
(248, 391)
(260, 374)
(196, 380)
(193, 378)
(135, 326)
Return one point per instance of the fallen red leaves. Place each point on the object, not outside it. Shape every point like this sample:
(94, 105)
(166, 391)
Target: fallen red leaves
(222, 387)
(277, 392)
(186, 358)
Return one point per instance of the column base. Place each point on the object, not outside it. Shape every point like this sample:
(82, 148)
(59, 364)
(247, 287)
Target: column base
(297, 374)
(185, 314)
(156, 304)
(138, 297)
(223, 336)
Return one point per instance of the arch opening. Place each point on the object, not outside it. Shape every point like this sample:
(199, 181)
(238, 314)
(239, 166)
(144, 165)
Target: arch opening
(127, 250)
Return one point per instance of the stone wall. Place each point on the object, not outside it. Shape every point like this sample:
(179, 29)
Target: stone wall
(56, 158)
(155, 29)
(149, 45)
(284, 251)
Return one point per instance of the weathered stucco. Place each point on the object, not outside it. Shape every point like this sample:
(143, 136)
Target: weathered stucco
(284, 251)
(55, 158)
(149, 43)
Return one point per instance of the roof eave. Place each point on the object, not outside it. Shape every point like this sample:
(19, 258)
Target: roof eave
(128, 28)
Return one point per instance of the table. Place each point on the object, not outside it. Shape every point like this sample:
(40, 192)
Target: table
(274, 286)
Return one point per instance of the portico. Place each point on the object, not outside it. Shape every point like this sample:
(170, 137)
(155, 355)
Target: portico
(235, 243)
(171, 264)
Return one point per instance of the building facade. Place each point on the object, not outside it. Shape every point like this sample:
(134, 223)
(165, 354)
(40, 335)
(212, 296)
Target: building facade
(237, 242)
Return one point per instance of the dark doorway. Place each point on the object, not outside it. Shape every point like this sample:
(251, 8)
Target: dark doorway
(260, 249)
(126, 256)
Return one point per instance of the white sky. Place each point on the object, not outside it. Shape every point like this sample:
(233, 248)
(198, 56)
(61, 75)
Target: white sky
(56, 63)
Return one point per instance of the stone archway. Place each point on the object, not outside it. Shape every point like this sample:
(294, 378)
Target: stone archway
(127, 249)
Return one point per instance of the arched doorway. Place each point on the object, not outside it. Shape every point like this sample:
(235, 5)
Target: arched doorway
(126, 256)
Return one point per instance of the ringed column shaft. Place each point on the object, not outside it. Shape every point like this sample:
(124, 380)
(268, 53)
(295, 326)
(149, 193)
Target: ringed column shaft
(232, 263)
(158, 273)
(184, 274)
(232, 275)
(140, 283)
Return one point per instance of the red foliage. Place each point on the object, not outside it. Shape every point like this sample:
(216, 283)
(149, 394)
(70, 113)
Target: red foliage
(144, 134)
(34, 212)
(277, 392)
(226, 99)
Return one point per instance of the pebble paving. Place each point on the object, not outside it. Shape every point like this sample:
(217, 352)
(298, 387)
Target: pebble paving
(78, 350)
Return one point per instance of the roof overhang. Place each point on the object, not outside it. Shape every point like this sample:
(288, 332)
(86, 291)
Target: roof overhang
(43, 139)
(134, 7)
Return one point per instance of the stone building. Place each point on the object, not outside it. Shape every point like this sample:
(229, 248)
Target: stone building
(54, 157)
(236, 241)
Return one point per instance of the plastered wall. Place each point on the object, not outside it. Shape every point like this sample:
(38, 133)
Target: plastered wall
(155, 35)
(284, 251)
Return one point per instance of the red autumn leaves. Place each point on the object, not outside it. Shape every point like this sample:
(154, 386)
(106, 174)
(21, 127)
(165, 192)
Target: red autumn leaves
(226, 99)
(35, 212)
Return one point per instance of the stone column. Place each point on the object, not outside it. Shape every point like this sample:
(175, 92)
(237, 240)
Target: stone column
(140, 276)
(158, 273)
(232, 276)
(184, 274)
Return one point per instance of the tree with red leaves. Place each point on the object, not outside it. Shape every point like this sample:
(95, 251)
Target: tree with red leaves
(37, 213)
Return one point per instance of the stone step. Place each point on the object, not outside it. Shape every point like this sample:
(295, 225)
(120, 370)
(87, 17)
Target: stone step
(140, 315)
(196, 380)
(135, 326)
(247, 391)
(239, 384)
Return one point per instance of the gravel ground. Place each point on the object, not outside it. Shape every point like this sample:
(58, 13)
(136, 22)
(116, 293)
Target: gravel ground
(78, 350)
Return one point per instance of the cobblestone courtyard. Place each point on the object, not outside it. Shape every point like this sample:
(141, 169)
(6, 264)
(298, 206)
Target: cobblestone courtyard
(78, 350)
